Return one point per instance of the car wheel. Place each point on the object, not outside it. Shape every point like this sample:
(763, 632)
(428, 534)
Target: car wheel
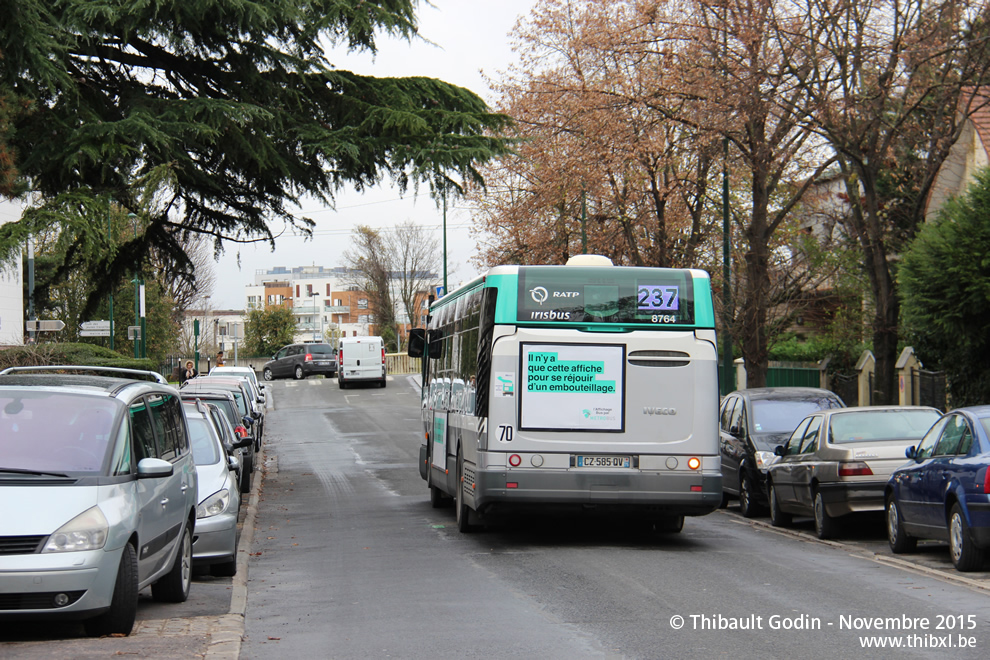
(669, 524)
(747, 506)
(173, 587)
(225, 568)
(898, 539)
(268, 374)
(825, 525)
(463, 511)
(965, 555)
(119, 619)
(341, 383)
(778, 518)
(298, 372)
(381, 383)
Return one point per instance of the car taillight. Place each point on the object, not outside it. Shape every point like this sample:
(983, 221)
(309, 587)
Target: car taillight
(340, 357)
(383, 355)
(854, 469)
(241, 431)
(986, 482)
(309, 357)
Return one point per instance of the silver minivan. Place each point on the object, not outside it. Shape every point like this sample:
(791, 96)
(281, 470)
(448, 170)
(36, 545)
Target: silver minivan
(98, 492)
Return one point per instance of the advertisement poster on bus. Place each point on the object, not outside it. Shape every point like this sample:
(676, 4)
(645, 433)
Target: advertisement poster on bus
(572, 387)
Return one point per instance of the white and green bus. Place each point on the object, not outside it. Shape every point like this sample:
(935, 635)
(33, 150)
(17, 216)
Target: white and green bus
(586, 387)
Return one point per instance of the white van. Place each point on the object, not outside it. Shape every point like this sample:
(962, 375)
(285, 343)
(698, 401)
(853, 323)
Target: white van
(361, 360)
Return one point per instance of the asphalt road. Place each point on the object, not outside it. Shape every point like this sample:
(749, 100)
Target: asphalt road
(350, 561)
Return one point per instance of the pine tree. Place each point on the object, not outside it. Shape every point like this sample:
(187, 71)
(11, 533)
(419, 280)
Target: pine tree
(227, 111)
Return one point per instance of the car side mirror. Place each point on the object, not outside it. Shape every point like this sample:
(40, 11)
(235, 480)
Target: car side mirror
(151, 468)
(780, 450)
(256, 415)
(243, 442)
(735, 430)
(233, 464)
(911, 452)
(248, 420)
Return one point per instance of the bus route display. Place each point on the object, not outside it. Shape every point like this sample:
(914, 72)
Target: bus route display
(640, 296)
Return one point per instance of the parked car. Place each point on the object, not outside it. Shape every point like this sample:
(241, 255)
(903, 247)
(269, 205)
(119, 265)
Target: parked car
(837, 462)
(98, 494)
(361, 360)
(752, 423)
(943, 492)
(243, 372)
(254, 397)
(215, 544)
(248, 411)
(301, 360)
(237, 439)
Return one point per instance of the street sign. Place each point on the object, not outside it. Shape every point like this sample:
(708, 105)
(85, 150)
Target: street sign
(95, 325)
(95, 333)
(439, 292)
(133, 332)
(44, 326)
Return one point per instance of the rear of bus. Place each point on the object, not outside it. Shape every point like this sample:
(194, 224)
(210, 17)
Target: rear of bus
(602, 393)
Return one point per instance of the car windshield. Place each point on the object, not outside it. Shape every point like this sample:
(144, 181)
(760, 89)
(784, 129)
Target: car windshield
(776, 416)
(203, 445)
(55, 432)
(874, 425)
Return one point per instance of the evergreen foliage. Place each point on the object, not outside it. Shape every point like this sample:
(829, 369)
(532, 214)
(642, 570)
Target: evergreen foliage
(268, 330)
(945, 290)
(228, 109)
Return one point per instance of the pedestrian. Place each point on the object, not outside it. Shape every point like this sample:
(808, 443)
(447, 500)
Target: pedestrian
(188, 372)
(219, 358)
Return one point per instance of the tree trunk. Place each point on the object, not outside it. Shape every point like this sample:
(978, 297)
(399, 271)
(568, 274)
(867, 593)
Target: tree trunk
(752, 315)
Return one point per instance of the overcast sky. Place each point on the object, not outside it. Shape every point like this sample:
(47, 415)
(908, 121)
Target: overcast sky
(470, 36)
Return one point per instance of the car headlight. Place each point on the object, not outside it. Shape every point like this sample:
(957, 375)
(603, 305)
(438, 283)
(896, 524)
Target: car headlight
(87, 531)
(214, 504)
(764, 459)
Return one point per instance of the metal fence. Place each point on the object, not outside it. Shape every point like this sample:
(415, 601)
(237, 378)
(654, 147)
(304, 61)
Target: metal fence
(786, 376)
(928, 388)
(846, 386)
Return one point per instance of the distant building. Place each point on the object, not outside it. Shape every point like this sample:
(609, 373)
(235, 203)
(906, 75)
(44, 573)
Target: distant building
(325, 301)
(11, 287)
(967, 155)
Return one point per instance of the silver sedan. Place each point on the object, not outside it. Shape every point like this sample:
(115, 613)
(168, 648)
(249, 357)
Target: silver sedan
(837, 462)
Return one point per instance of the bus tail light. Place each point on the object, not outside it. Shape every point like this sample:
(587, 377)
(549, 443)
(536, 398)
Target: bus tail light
(515, 460)
(512, 484)
(856, 469)
(694, 462)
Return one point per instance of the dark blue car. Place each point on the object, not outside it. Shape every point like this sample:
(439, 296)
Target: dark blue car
(944, 491)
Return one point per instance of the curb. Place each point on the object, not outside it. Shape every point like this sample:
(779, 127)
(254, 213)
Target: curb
(225, 639)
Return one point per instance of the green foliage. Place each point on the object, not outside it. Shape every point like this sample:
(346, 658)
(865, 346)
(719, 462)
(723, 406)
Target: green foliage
(268, 330)
(70, 353)
(233, 104)
(945, 291)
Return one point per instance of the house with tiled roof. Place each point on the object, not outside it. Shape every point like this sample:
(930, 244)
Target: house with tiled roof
(968, 154)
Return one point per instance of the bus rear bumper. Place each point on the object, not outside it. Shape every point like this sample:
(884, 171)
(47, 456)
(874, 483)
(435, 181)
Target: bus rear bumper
(681, 493)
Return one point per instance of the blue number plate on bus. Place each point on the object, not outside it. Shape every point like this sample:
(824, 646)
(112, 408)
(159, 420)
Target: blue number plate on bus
(603, 461)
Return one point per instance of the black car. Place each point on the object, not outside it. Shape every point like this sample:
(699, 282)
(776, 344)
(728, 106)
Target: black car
(301, 360)
(751, 424)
